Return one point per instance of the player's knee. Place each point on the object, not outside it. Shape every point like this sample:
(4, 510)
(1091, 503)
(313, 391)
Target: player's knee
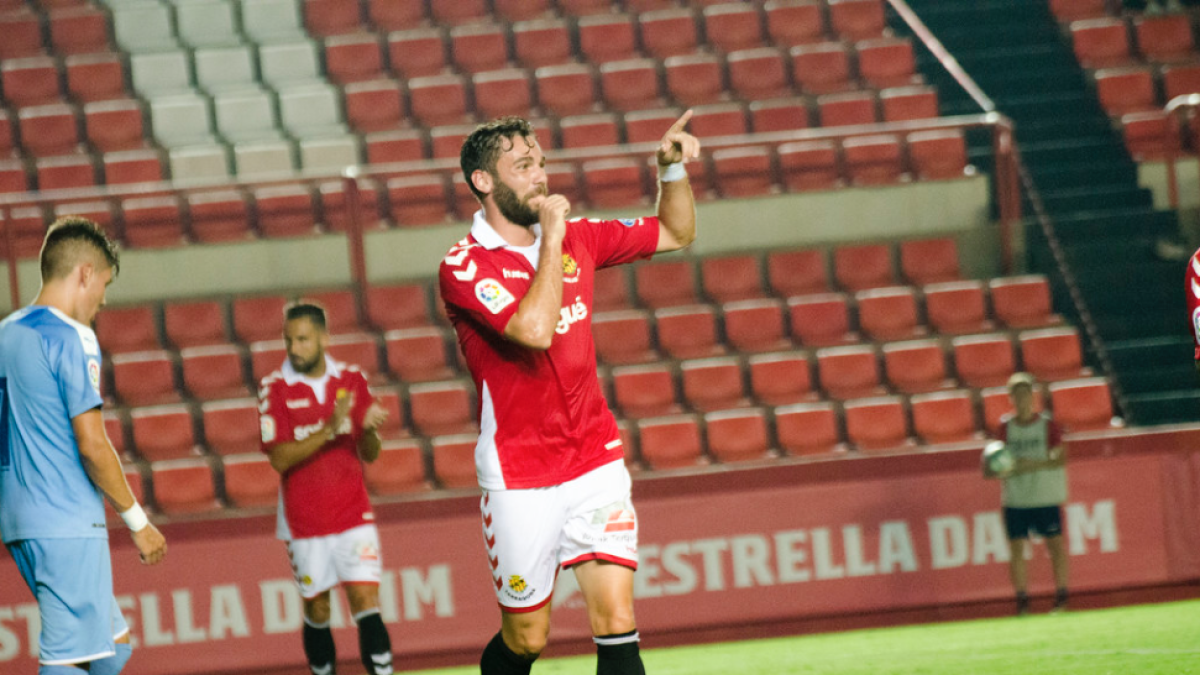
(528, 643)
(114, 664)
(613, 621)
(317, 609)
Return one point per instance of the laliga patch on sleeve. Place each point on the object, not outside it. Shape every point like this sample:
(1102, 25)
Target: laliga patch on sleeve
(1196, 323)
(94, 374)
(493, 295)
(630, 222)
(267, 423)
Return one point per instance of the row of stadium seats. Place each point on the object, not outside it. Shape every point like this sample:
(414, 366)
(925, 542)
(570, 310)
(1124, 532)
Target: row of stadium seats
(1111, 41)
(245, 479)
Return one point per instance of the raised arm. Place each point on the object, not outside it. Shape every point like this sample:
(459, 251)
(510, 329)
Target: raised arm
(676, 205)
(539, 312)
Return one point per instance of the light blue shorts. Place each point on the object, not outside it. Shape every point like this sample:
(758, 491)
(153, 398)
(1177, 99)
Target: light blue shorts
(72, 581)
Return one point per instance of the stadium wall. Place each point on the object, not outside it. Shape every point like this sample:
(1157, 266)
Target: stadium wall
(725, 552)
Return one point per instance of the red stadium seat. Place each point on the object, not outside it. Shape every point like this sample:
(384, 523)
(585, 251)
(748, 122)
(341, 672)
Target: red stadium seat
(758, 74)
(103, 213)
(781, 379)
(79, 30)
(633, 6)
(145, 378)
(1070, 10)
(713, 384)
(331, 17)
(938, 155)
(1180, 79)
(795, 22)
(214, 372)
(360, 350)
(887, 62)
(258, 318)
(163, 432)
(127, 329)
(399, 469)
(1053, 354)
(587, 131)
(417, 200)
(395, 426)
(984, 360)
(607, 37)
(503, 92)
(755, 326)
(808, 429)
(614, 183)
(630, 85)
(335, 211)
(997, 404)
(850, 108)
(1126, 90)
(114, 428)
(438, 99)
(13, 179)
(7, 137)
(184, 486)
(231, 427)
(731, 26)
(743, 172)
(874, 160)
(1165, 39)
(909, 103)
(1149, 137)
(391, 307)
(957, 308)
(666, 284)
(916, 367)
(567, 89)
(250, 480)
(454, 461)
(731, 277)
(419, 52)
(477, 47)
(944, 417)
(375, 105)
(648, 126)
(219, 216)
(668, 32)
(353, 58)
(611, 289)
(285, 211)
(738, 435)
(688, 331)
(1101, 43)
(114, 125)
(821, 68)
(442, 408)
(718, 119)
(820, 320)
(877, 424)
(417, 354)
(29, 227)
(780, 114)
(809, 165)
(694, 79)
(849, 372)
(622, 337)
(401, 145)
(65, 172)
(927, 261)
(857, 19)
(455, 12)
(153, 222)
(543, 42)
(521, 10)
(447, 141)
(395, 15)
(266, 357)
(860, 267)
(889, 313)
(22, 31)
(30, 81)
(644, 391)
(671, 442)
(49, 129)
(132, 166)
(1023, 302)
(1083, 405)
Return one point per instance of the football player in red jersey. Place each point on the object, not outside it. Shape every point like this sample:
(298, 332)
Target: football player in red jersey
(1192, 284)
(518, 290)
(319, 423)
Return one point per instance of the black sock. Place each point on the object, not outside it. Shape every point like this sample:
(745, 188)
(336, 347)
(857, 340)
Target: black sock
(498, 659)
(1060, 597)
(319, 648)
(1022, 602)
(374, 645)
(618, 654)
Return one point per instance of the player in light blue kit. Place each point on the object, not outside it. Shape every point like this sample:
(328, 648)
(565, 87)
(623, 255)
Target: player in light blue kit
(56, 459)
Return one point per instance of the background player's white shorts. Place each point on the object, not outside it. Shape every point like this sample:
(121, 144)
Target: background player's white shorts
(531, 533)
(351, 557)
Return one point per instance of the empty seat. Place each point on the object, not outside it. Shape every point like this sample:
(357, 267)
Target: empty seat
(1163, 39)
(622, 337)
(886, 62)
(670, 442)
(360, 350)
(266, 357)
(781, 379)
(542, 42)
(163, 432)
(758, 74)
(917, 102)
(997, 403)
(779, 114)
(114, 428)
(755, 325)
(250, 480)
(454, 461)
(808, 429)
(857, 19)
(417, 354)
(694, 79)
(874, 160)
(630, 85)
(184, 486)
(438, 99)
(944, 417)
(503, 92)
(849, 372)
(258, 318)
(644, 391)
(614, 183)
(666, 284)
(607, 37)
(331, 17)
(810, 165)
(353, 58)
(375, 105)
(860, 267)
(732, 26)
(668, 32)
(915, 367)
(195, 324)
(285, 211)
(611, 289)
(48, 130)
(145, 378)
(127, 329)
(181, 120)
(391, 307)
(114, 125)
(957, 308)
(820, 320)
(219, 216)
(479, 47)
(395, 426)
(718, 119)
(938, 155)
(688, 331)
(794, 22)
(743, 172)
(1126, 90)
(401, 145)
(821, 68)
(846, 109)
(889, 313)
(419, 52)
(927, 261)
(737, 435)
(520, 10)
(294, 61)
(311, 110)
(153, 222)
(395, 15)
(272, 20)
(984, 360)
(1083, 405)
(567, 89)
(399, 469)
(22, 33)
(81, 29)
(143, 26)
(648, 126)
(1052, 354)
(1101, 43)
(732, 277)
(1022, 302)
(335, 207)
(713, 384)
(1149, 136)
(417, 200)
(30, 81)
(214, 372)
(206, 22)
(455, 12)
(1070, 10)
(586, 131)
(876, 424)
(65, 171)
(447, 142)
(441, 408)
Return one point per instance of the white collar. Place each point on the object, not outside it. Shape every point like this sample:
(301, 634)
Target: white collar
(332, 369)
(487, 236)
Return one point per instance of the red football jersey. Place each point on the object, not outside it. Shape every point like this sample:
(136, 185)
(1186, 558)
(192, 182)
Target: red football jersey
(324, 494)
(543, 419)
(1192, 281)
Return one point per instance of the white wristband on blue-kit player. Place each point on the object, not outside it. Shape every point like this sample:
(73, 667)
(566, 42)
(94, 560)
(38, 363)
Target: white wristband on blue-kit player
(135, 518)
(671, 172)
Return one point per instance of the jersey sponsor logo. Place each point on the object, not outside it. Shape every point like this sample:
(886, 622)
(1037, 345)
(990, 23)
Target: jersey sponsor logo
(94, 374)
(296, 404)
(616, 517)
(570, 269)
(493, 295)
(91, 346)
(515, 274)
(571, 314)
(367, 552)
(267, 427)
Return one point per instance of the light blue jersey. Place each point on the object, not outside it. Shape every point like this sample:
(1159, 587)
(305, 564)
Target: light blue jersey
(49, 374)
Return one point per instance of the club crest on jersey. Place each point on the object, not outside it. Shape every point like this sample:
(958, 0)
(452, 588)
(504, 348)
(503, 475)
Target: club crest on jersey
(94, 374)
(517, 583)
(517, 588)
(571, 314)
(494, 296)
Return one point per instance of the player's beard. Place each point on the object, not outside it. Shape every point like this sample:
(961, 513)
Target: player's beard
(514, 208)
(306, 367)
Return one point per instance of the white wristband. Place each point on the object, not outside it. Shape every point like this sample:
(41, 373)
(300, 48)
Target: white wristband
(671, 172)
(135, 518)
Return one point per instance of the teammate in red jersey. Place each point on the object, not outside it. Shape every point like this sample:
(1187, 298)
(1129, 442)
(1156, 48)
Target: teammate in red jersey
(1192, 282)
(319, 423)
(518, 290)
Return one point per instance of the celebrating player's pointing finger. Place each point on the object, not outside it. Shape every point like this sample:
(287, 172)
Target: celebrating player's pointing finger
(678, 145)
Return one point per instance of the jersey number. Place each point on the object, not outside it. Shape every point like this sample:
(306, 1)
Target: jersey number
(5, 458)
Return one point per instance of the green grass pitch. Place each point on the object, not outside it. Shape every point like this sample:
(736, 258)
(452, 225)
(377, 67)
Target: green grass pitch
(1161, 639)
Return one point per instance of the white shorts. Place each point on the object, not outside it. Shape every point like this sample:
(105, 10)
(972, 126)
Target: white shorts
(531, 534)
(351, 557)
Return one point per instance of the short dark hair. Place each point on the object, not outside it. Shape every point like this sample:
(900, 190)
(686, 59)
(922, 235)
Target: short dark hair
(305, 309)
(482, 149)
(68, 240)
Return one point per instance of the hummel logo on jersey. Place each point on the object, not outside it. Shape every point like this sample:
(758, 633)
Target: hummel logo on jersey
(296, 404)
(572, 314)
(515, 274)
